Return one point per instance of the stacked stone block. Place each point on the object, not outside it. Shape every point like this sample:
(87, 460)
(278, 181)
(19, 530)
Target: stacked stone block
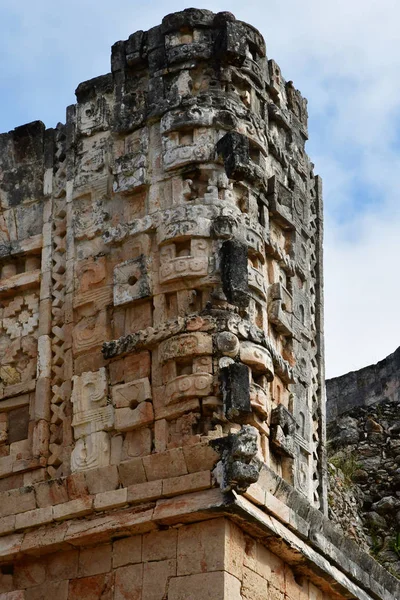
(193, 561)
(161, 351)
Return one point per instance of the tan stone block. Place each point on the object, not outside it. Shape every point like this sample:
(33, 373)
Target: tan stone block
(63, 565)
(45, 317)
(132, 393)
(129, 582)
(95, 560)
(139, 316)
(138, 443)
(89, 397)
(201, 547)
(234, 549)
(205, 586)
(116, 369)
(232, 587)
(29, 573)
(91, 588)
(165, 464)
(21, 450)
(277, 566)
(52, 539)
(76, 486)
(261, 560)
(94, 450)
(32, 518)
(40, 438)
(102, 479)
(160, 545)
(160, 435)
(254, 587)
(42, 399)
(118, 323)
(127, 551)
(275, 594)
(295, 589)
(17, 501)
(255, 493)
(192, 344)
(12, 482)
(276, 507)
(34, 477)
(111, 499)
(173, 510)
(184, 387)
(145, 492)
(73, 508)
(132, 471)
(88, 362)
(50, 493)
(137, 366)
(193, 482)
(69, 365)
(200, 457)
(45, 285)
(127, 419)
(156, 576)
(7, 524)
(17, 595)
(117, 442)
(101, 529)
(11, 545)
(44, 356)
(90, 332)
(50, 589)
(173, 411)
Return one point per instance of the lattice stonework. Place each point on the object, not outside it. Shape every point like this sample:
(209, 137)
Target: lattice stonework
(60, 438)
(161, 277)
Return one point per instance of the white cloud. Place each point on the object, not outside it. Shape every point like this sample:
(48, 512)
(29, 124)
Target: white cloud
(344, 56)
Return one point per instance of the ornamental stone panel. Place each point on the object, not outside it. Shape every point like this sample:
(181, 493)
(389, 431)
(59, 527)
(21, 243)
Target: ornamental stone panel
(162, 407)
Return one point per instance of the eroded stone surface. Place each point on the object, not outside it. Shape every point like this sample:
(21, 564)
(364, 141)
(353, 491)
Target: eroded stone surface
(364, 452)
(161, 355)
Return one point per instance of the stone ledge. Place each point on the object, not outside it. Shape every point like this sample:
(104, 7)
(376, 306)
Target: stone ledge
(181, 469)
(276, 497)
(20, 281)
(38, 509)
(189, 508)
(71, 497)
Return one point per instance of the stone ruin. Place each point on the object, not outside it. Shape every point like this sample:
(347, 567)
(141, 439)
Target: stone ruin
(363, 426)
(162, 381)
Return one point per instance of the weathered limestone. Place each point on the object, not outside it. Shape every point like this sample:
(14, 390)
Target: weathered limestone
(363, 430)
(365, 387)
(161, 350)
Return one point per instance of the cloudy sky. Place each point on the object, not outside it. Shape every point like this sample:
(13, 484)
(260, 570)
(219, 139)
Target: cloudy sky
(345, 58)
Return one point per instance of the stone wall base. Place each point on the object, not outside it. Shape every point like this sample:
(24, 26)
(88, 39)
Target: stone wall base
(203, 546)
(208, 560)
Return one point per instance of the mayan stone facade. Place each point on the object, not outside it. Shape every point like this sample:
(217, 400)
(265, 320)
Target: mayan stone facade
(161, 344)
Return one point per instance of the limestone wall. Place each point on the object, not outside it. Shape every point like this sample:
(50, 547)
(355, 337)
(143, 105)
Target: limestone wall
(364, 452)
(365, 446)
(203, 561)
(206, 560)
(365, 387)
(87, 511)
(161, 341)
(161, 253)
